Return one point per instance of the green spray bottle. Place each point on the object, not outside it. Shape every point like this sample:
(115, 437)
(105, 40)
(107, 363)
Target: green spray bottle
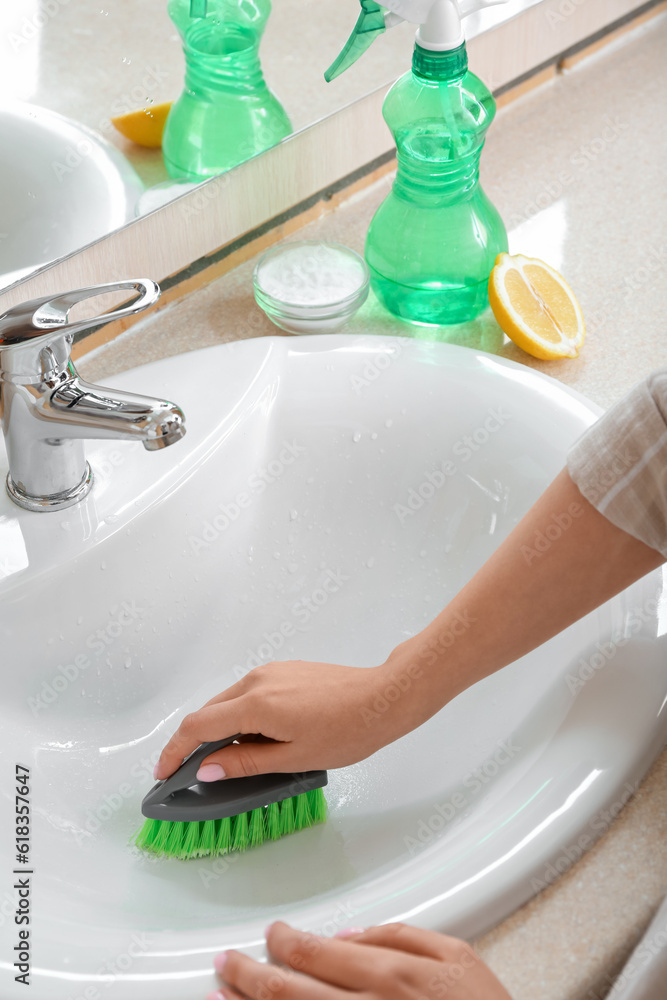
(226, 112)
(433, 241)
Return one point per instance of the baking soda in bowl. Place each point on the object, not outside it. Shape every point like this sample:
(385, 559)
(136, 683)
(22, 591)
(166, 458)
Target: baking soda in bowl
(310, 287)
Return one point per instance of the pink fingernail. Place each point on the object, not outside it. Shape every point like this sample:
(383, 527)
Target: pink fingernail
(349, 931)
(156, 771)
(267, 929)
(218, 995)
(210, 772)
(219, 961)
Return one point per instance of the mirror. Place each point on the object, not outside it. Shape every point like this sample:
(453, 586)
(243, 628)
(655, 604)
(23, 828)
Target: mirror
(67, 181)
(68, 176)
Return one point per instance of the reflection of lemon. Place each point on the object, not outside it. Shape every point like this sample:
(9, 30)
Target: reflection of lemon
(536, 307)
(145, 127)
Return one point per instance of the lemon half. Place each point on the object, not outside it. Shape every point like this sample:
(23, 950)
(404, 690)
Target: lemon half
(145, 127)
(536, 307)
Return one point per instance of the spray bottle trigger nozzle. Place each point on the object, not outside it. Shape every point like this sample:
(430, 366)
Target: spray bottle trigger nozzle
(439, 25)
(370, 24)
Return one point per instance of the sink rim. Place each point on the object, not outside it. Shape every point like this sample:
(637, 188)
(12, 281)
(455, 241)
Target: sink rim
(207, 943)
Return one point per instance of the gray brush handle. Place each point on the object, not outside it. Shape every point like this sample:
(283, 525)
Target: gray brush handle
(181, 798)
(187, 772)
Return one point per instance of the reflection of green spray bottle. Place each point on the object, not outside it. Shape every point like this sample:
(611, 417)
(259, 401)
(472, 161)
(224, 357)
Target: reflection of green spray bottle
(226, 112)
(433, 241)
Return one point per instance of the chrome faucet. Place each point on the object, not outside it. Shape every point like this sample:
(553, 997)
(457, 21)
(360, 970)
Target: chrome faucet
(46, 410)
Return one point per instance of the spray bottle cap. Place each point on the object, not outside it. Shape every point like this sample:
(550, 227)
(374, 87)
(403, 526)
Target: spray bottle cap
(439, 23)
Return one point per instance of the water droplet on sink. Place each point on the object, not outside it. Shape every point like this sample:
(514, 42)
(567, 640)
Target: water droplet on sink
(356, 437)
(103, 565)
(423, 553)
(111, 518)
(374, 436)
(388, 423)
(370, 562)
(293, 514)
(311, 479)
(276, 555)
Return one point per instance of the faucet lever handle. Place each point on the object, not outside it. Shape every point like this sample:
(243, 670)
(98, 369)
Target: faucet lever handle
(48, 316)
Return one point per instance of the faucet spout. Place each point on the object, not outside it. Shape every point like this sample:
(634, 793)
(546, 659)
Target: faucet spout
(82, 410)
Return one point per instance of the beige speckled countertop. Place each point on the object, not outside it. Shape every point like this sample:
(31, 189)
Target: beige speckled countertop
(577, 170)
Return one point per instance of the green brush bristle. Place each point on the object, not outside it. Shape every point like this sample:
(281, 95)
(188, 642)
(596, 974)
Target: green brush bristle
(149, 834)
(161, 837)
(190, 842)
(287, 817)
(318, 806)
(175, 839)
(206, 845)
(236, 833)
(257, 828)
(273, 821)
(223, 842)
(240, 841)
(301, 812)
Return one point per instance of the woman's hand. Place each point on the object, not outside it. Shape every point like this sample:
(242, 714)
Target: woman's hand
(393, 962)
(320, 716)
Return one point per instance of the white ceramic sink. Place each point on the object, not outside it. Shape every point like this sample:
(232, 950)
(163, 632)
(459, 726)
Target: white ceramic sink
(277, 514)
(62, 186)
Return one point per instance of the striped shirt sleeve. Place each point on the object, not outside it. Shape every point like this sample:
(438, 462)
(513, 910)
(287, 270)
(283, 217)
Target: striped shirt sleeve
(620, 463)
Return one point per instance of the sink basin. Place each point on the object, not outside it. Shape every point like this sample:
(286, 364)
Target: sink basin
(299, 519)
(62, 186)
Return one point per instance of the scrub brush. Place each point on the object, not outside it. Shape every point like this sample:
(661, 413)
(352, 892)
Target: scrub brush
(191, 819)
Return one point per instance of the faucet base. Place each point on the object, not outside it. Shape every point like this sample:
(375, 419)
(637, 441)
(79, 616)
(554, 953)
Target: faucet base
(56, 501)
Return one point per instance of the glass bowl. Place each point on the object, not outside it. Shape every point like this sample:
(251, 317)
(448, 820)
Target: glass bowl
(310, 286)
